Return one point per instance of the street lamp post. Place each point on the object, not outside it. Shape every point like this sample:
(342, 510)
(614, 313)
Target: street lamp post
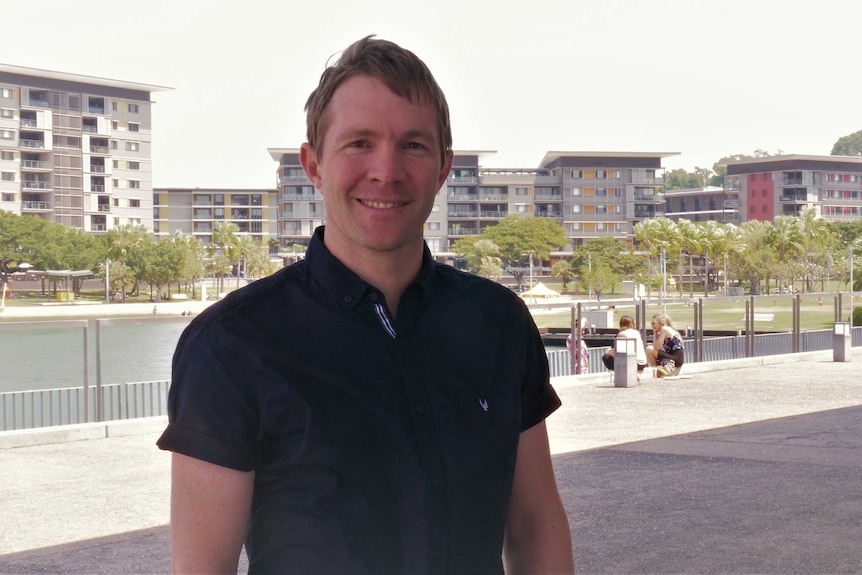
(108, 280)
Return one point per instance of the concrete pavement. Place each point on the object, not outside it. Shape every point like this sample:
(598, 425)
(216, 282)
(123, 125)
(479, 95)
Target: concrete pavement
(754, 469)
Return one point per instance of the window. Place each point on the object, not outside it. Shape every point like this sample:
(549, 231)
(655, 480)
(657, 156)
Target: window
(134, 165)
(601, 191)
(113, 144)
(134, 203)
(577, 174)
(133, 108)
(5, 92)
(521, 191)
(8, 176)
(255, 199)
(114, 125)
(8, 197)
(575, 192)
(576, 209)
(114, 106)
(134, 184)
(601, 174)
(601, 226)
(256, 213)
(618, 174)
(6, 113)
(132, 146)
(116, 163)
(7, 135)
(134, 127)
(601, 209)
(433, 226)
(7, 155)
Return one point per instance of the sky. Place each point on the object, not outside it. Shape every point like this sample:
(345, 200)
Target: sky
(704, 79)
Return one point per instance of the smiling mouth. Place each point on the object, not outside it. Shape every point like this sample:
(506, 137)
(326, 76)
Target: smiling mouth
(381, 205)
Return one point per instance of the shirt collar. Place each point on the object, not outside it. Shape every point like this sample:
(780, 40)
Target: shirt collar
(343, 284)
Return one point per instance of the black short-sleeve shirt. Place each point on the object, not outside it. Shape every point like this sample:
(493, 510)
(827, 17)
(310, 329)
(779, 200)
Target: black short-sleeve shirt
(379, 446)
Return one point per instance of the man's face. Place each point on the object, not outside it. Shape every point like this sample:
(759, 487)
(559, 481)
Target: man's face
(378, 171)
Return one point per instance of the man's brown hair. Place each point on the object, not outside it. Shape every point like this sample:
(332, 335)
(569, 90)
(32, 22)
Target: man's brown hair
(400, 69)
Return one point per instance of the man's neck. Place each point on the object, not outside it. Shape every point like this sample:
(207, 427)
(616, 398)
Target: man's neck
(390, 272)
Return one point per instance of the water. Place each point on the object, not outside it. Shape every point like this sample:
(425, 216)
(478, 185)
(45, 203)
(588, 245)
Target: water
(134, 349)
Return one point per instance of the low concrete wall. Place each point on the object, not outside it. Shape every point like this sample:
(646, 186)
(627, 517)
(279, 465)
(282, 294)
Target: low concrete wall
(81, 432)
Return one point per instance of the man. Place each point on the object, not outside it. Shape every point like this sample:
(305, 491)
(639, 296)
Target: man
(366, 410)
(628, 331)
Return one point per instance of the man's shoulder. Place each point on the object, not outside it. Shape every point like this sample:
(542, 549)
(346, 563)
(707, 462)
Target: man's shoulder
(452, 278)
(256, 296)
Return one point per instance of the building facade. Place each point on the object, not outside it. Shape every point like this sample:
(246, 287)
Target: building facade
(196, 212)
(592, 194)
(785, 185)
(703, 204)
(75, 149)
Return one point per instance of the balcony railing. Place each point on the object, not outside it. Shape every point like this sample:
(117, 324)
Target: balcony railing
(104, 208)
(98, 227)
(90, 129)
(463, 215)
(32, 143)
(39, 103)
(549, 197)
(494, 197)
(463, 180)
(96, 110)
(492, 214)
(35, 206)
(35, 165)
(97, 187)
(34, 185)
(456, 231)
(99, 149)
(29, 123)
(97, 168)
(462, 197)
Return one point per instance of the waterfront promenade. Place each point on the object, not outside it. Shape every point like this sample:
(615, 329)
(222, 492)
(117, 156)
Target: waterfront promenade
(749, 466)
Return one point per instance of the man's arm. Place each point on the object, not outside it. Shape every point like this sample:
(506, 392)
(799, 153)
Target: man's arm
(210, 508)
(537, 530)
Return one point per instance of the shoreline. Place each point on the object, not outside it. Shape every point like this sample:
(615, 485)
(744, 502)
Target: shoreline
(81, 310)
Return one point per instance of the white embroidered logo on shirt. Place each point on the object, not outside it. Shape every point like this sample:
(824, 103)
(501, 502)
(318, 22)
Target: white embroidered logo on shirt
(483, 404)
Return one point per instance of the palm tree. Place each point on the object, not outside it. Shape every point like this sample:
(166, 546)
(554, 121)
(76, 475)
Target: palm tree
(689, 243)
(224, 239)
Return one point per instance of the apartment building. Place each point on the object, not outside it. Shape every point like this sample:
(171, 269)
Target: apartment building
(785, 185)
(196, 212)
(591, 194)
(703, 204)
(75, 149)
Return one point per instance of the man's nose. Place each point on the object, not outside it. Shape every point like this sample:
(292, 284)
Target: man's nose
(387, 165)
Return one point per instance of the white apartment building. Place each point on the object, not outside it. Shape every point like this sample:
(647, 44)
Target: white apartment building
(76, 149)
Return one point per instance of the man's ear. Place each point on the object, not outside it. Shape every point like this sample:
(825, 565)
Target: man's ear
(444, 171)
(310, 163)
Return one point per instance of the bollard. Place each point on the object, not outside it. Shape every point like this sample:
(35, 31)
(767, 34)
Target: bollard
(842, 349)
(625, 362)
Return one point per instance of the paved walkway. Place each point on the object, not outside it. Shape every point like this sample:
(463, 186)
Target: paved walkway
(748, 470)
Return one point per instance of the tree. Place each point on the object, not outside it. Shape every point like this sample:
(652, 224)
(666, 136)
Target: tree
(680, 179)
(519, 237)
(160, 263)
(482, 256)
(563, 271)
(757, 258)
(850, 145)
(224, 241)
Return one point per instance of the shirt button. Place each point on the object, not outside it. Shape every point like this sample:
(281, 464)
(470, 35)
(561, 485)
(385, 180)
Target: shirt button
(373, 297)
(420, 408)
(348, 298)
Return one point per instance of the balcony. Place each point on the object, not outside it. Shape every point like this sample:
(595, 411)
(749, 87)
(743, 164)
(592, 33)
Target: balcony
(463, 180)
(39, 103)
(545, 197)
(462, 198)
(732, 203)
(36, 206)
(300, 198)
(35, 185)
(32, 144)
(97, 188)
(462, 215)
(100, 110)
(104, 208)
(793, 198)
(495, 214)
(90, 129)
(549, 214)
(97, 168)
(35, 165)
(29, 123)
(462, 231)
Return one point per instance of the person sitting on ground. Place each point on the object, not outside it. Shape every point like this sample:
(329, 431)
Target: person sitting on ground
(666, 348)
(628, 331)
(582, 358)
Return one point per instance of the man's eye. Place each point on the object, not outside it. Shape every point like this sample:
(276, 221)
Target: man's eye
(358, 144)
(415, 146)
